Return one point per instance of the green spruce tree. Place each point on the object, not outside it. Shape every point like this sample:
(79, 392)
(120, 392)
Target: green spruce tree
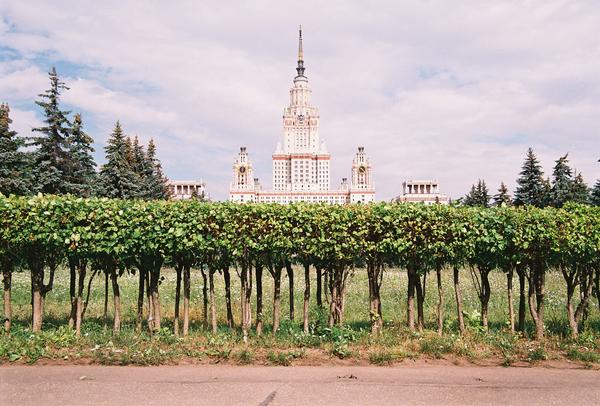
(117, 178)
(156, 181)
(595, 195)
(532, 189)
(478, 195)
(52, 161)
(562, 182)
(502, 198)
(14, 173)
(580, 193)
(83, 172)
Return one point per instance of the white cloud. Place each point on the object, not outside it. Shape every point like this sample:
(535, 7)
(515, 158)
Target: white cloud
(449, 90)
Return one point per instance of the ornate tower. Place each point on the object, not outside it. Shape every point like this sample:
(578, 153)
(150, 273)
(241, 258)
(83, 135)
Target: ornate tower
(361, 188)
(242, 188)
(301, 160)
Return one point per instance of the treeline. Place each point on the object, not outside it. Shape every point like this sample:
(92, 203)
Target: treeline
(43, 235)
(566, 186)
(58, 159)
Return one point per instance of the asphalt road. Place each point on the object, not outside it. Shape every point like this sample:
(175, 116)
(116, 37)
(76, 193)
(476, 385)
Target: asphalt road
(230, 385)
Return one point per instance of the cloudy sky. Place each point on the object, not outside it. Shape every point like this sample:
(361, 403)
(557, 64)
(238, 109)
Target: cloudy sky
(449, 90)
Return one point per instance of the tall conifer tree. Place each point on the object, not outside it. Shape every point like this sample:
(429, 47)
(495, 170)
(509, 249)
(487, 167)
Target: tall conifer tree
(580, 193)
(14, 174)
(502, 198)
(478, 196)
(83, 172)
(52, 159)
(156, 180)
(562, 182)
(532, 189)
(117, 177)
(595, 195)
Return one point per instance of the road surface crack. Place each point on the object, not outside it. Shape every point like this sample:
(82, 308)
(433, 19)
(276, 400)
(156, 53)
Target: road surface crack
(268, 399)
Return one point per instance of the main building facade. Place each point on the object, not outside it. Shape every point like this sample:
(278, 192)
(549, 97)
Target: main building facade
(301, 162)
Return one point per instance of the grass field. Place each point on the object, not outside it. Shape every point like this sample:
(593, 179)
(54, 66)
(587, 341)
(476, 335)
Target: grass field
(351, 343)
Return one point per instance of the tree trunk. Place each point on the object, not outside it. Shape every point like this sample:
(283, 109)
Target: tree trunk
(597, 285)
(259, 299)
(306, 297)
(105, 314)
(227, 280)
(73, 291)
(521, 274)
(511, 308)
(88, 291)
(150, 302)
(410, 298)
(205, 298)
(458, 296)
(213, 305)
(536, 299)
(117, 301)
(485, 297)
(36, 267)
(276, 273)
(178, 269)
(585, 288)
(440, 307)
(374, 273)
(186, 299)
(140, 300)
(246, 292)
(570, 311)
(420, 289)
(290, 275)
(154, 292)
(7, 282)
(320, 287)
(81, 269)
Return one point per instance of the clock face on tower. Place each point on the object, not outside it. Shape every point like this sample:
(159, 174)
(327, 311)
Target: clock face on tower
(361, 169)
(242, 169)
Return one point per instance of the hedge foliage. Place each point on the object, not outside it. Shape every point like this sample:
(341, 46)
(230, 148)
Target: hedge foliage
(38, 233)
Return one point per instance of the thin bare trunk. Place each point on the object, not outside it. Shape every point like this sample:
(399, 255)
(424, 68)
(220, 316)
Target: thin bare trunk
(458, 296)
(37, 287)
(82, 270)
(420, 289)
(205, 297)
(246, 296)
(320, 287)
(374, 273)
(178, 270)
(213, 305)
(440, 306)
(7, 283)
(140, 301)
(290, 275)
(227, 280)
(150, 302)
(88, 291)
(521, 274)
(105, 314)
(72, 292)
(410, 299)
(259, 299)
(186, 299)
(511, 308)
(306, 297)
(484, 297)
(117, 301)
(276, 273)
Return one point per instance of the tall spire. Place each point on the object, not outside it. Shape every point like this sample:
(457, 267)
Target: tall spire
(300, 68)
